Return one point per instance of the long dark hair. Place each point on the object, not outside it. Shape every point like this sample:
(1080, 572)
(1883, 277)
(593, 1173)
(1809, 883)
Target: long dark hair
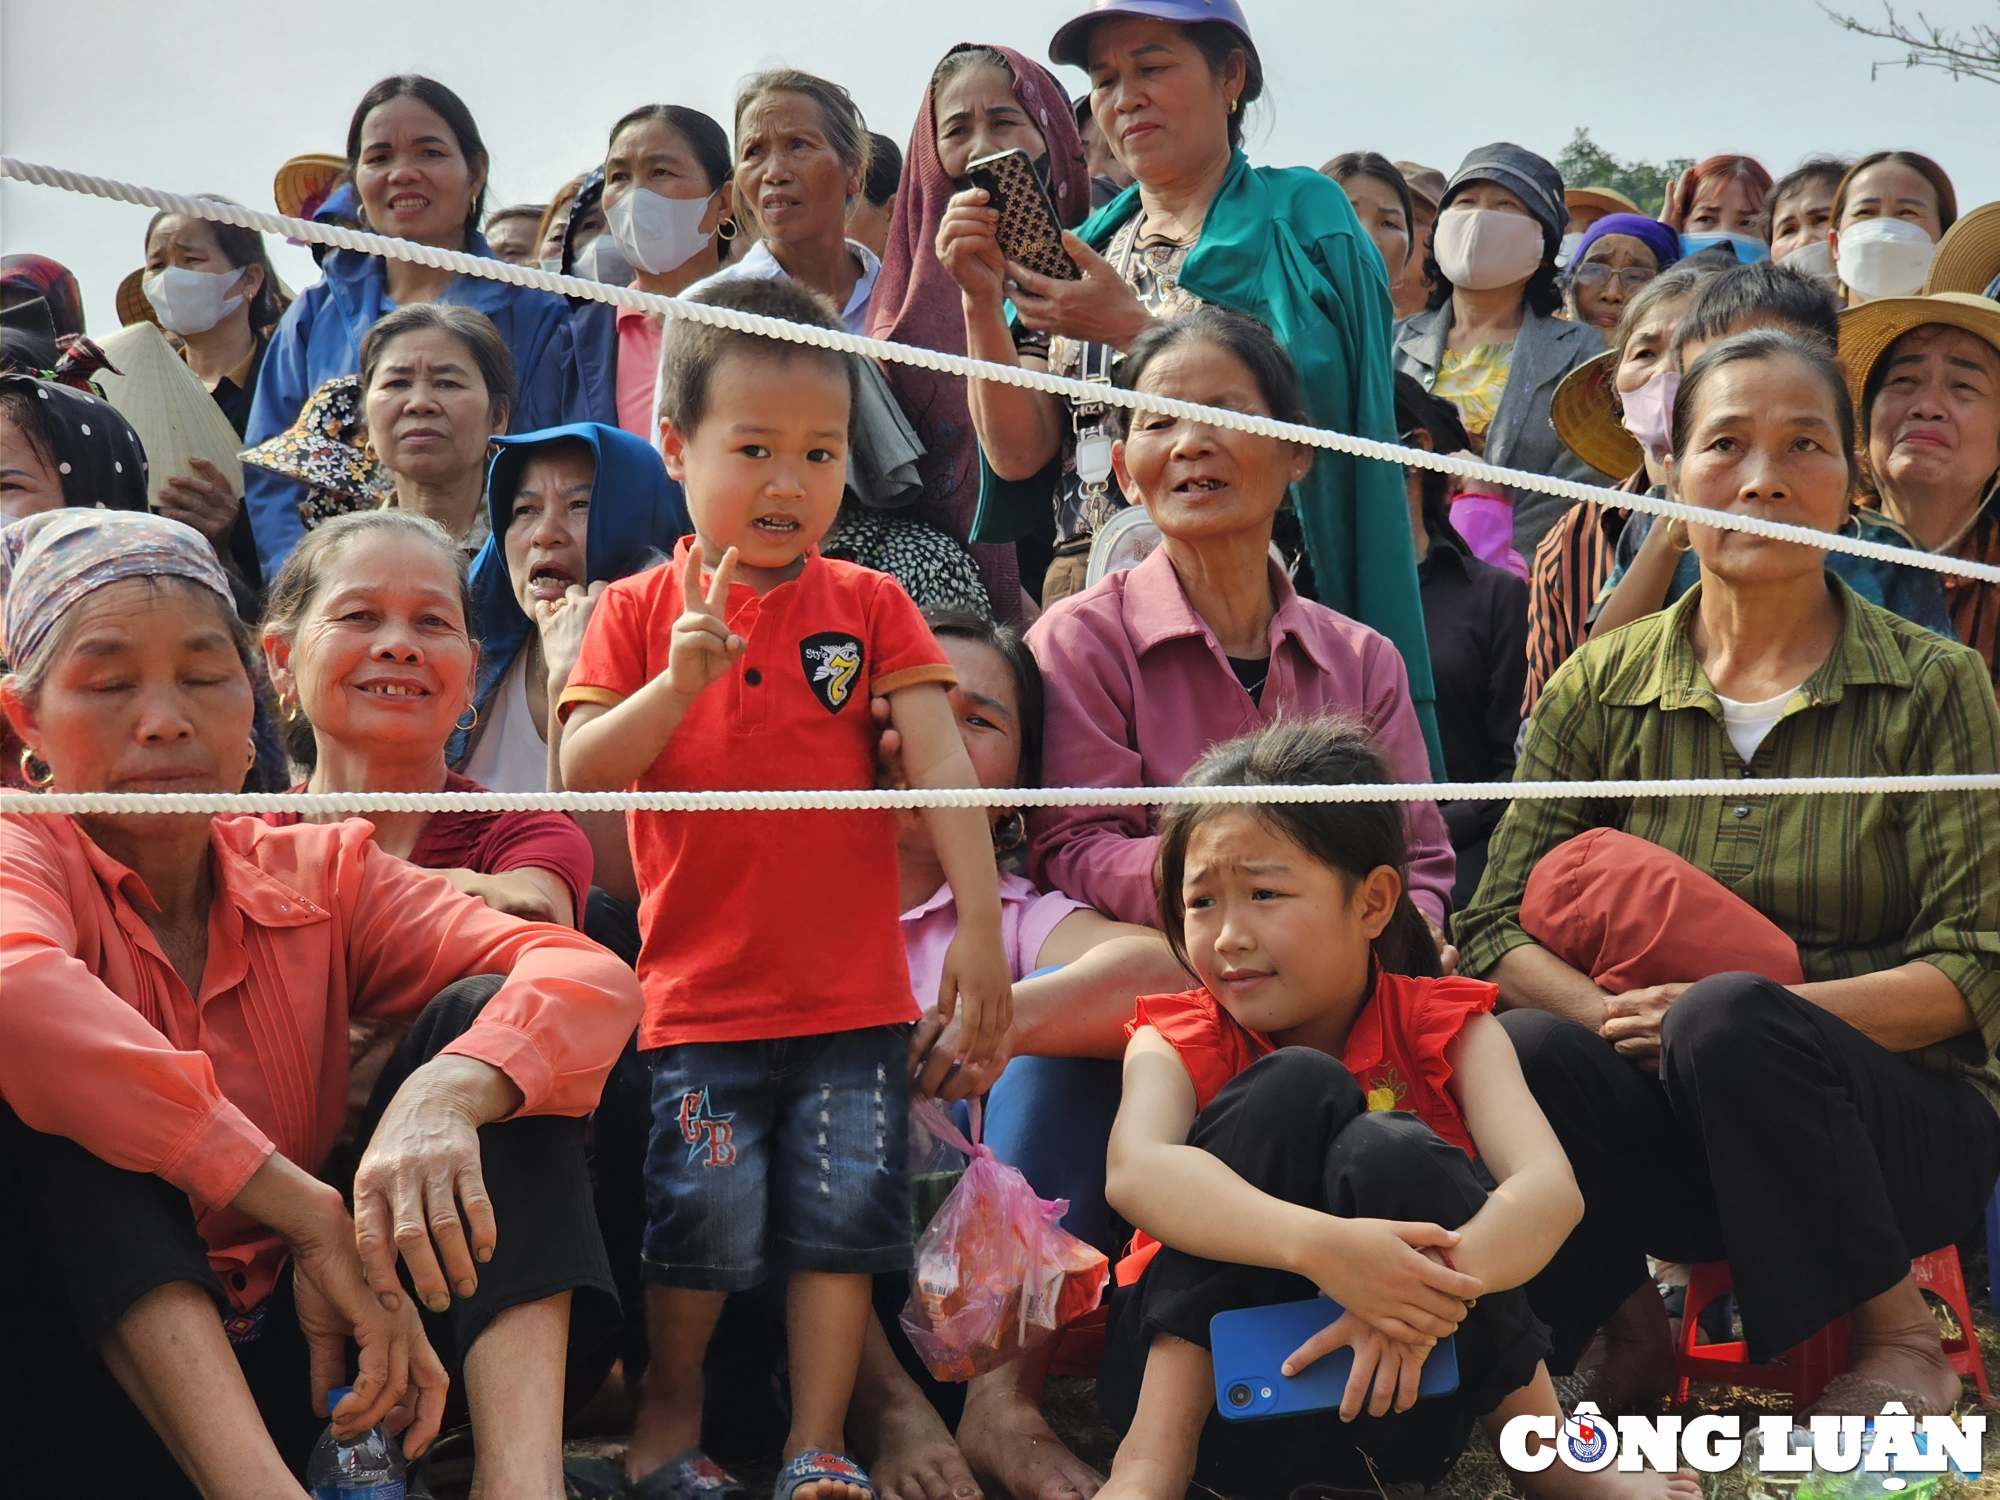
(1417, 408)
(241, 248)
(449, 107)
(1353, 838)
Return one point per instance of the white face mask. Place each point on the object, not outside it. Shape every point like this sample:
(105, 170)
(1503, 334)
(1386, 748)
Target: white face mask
(1481, 248)
(1568, 251)
(658, 234)
(602, 260)
(1814, 259)
(188, 301)
(1886, 258)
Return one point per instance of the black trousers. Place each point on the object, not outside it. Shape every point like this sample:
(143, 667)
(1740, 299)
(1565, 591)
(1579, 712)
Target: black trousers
(82, 1241)
(1297, 1126)
(1774, 1136)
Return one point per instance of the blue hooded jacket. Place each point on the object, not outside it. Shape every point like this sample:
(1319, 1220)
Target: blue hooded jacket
(637, 514)
(320, 337)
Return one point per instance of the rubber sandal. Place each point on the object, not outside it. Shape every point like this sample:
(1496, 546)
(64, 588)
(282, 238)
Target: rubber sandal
(815, 1466)
(589, 1479)
(692, 1476)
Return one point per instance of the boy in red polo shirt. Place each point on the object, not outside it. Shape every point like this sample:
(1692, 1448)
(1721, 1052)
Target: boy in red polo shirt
(777, 994)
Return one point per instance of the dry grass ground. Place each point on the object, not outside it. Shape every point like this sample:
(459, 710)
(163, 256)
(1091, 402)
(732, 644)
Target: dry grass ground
(1072, 1411)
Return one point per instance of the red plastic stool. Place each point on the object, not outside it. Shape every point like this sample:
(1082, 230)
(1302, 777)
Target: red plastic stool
(1080, 1348)
(1806, 1370)
(1940, 1274)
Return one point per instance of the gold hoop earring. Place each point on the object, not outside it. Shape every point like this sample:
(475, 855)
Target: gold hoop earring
(1233, 106)
(473, 709)
(726, 230)
(288, 708)
(29, 760)
(251, 764)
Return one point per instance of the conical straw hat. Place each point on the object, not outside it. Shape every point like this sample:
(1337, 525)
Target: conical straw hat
(168, 407)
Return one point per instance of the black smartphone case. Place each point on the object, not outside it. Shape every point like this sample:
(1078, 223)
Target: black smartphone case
(1029, 232)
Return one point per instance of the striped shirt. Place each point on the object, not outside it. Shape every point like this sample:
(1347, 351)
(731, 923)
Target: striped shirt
(1860, 883)
(1569, 569)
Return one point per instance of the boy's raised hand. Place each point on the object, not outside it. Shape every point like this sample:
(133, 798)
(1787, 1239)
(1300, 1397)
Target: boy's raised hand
(703, 648)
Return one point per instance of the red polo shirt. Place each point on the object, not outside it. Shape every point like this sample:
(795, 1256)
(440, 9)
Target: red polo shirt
(759, 925)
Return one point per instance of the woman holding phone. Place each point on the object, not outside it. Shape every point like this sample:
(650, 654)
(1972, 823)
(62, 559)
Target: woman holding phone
(1169, 83)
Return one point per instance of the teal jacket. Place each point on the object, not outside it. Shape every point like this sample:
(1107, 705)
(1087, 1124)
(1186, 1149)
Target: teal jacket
(1282, 245)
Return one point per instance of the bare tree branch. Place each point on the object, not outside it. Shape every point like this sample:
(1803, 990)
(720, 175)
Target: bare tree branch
(1971, 53)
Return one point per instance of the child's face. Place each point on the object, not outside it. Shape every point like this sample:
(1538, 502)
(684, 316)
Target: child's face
(765, 470)
(1280, 939)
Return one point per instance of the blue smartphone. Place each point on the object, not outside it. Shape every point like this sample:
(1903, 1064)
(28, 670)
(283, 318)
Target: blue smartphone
(1250, 1346)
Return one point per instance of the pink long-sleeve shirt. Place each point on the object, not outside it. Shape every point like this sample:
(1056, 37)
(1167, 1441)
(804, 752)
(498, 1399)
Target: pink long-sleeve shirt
(1138, 688)
(101, 1042)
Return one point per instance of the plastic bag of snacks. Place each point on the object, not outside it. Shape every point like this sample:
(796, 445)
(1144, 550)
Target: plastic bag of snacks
(994, 1275)
(935, 1165)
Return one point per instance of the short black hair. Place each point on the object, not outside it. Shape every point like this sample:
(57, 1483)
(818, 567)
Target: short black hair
(690, 351)
(1250, 341)
(1761, 292)
(885, 169)
(1011, 647)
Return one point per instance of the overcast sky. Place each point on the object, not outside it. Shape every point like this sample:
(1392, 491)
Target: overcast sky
(161, 96)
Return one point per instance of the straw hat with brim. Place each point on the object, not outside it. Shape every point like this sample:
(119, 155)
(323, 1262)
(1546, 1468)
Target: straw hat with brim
(133, 305)
(1585, 413)
(1604, 200)
(168, 407)
(1867, 331)
(303, 183)
(1968, 257)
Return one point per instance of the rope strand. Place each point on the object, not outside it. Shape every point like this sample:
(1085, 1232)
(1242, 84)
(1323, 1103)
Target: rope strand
(956, 364)
(348, 804)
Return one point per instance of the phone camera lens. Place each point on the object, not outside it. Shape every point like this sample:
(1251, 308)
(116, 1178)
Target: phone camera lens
(1239, 1395)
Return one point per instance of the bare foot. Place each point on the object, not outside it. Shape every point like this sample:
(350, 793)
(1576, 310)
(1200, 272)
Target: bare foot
(915, 1458)
(1893, 1340)
(1014, 1451)
(1629, 1366)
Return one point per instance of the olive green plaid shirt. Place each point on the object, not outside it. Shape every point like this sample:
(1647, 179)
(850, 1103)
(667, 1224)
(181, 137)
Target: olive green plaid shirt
(1860, 883)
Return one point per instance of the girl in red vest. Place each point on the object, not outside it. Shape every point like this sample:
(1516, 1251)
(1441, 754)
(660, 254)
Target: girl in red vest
(1324, 1113)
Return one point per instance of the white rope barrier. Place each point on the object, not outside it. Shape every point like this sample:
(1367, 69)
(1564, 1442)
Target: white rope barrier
(956, 364)
(344, 804)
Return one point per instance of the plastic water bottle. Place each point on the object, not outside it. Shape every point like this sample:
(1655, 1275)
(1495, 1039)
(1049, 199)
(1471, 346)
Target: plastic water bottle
(368, 1467)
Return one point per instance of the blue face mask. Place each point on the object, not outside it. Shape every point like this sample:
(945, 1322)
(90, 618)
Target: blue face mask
(1748, 248)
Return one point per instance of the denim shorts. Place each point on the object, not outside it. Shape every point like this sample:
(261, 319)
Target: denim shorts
(801, 1142)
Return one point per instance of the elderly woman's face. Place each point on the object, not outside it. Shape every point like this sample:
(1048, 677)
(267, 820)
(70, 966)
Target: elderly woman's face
(429, 413)
(1165, 112)
(29, 483)
(413, 180)
(1936, 421)
(1611, 274)
(548, 528)
(1200, 482)
(1764, 441)
(988, 710)
(978, 114)
(789, 173)
(382, 657)
(146, 694)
